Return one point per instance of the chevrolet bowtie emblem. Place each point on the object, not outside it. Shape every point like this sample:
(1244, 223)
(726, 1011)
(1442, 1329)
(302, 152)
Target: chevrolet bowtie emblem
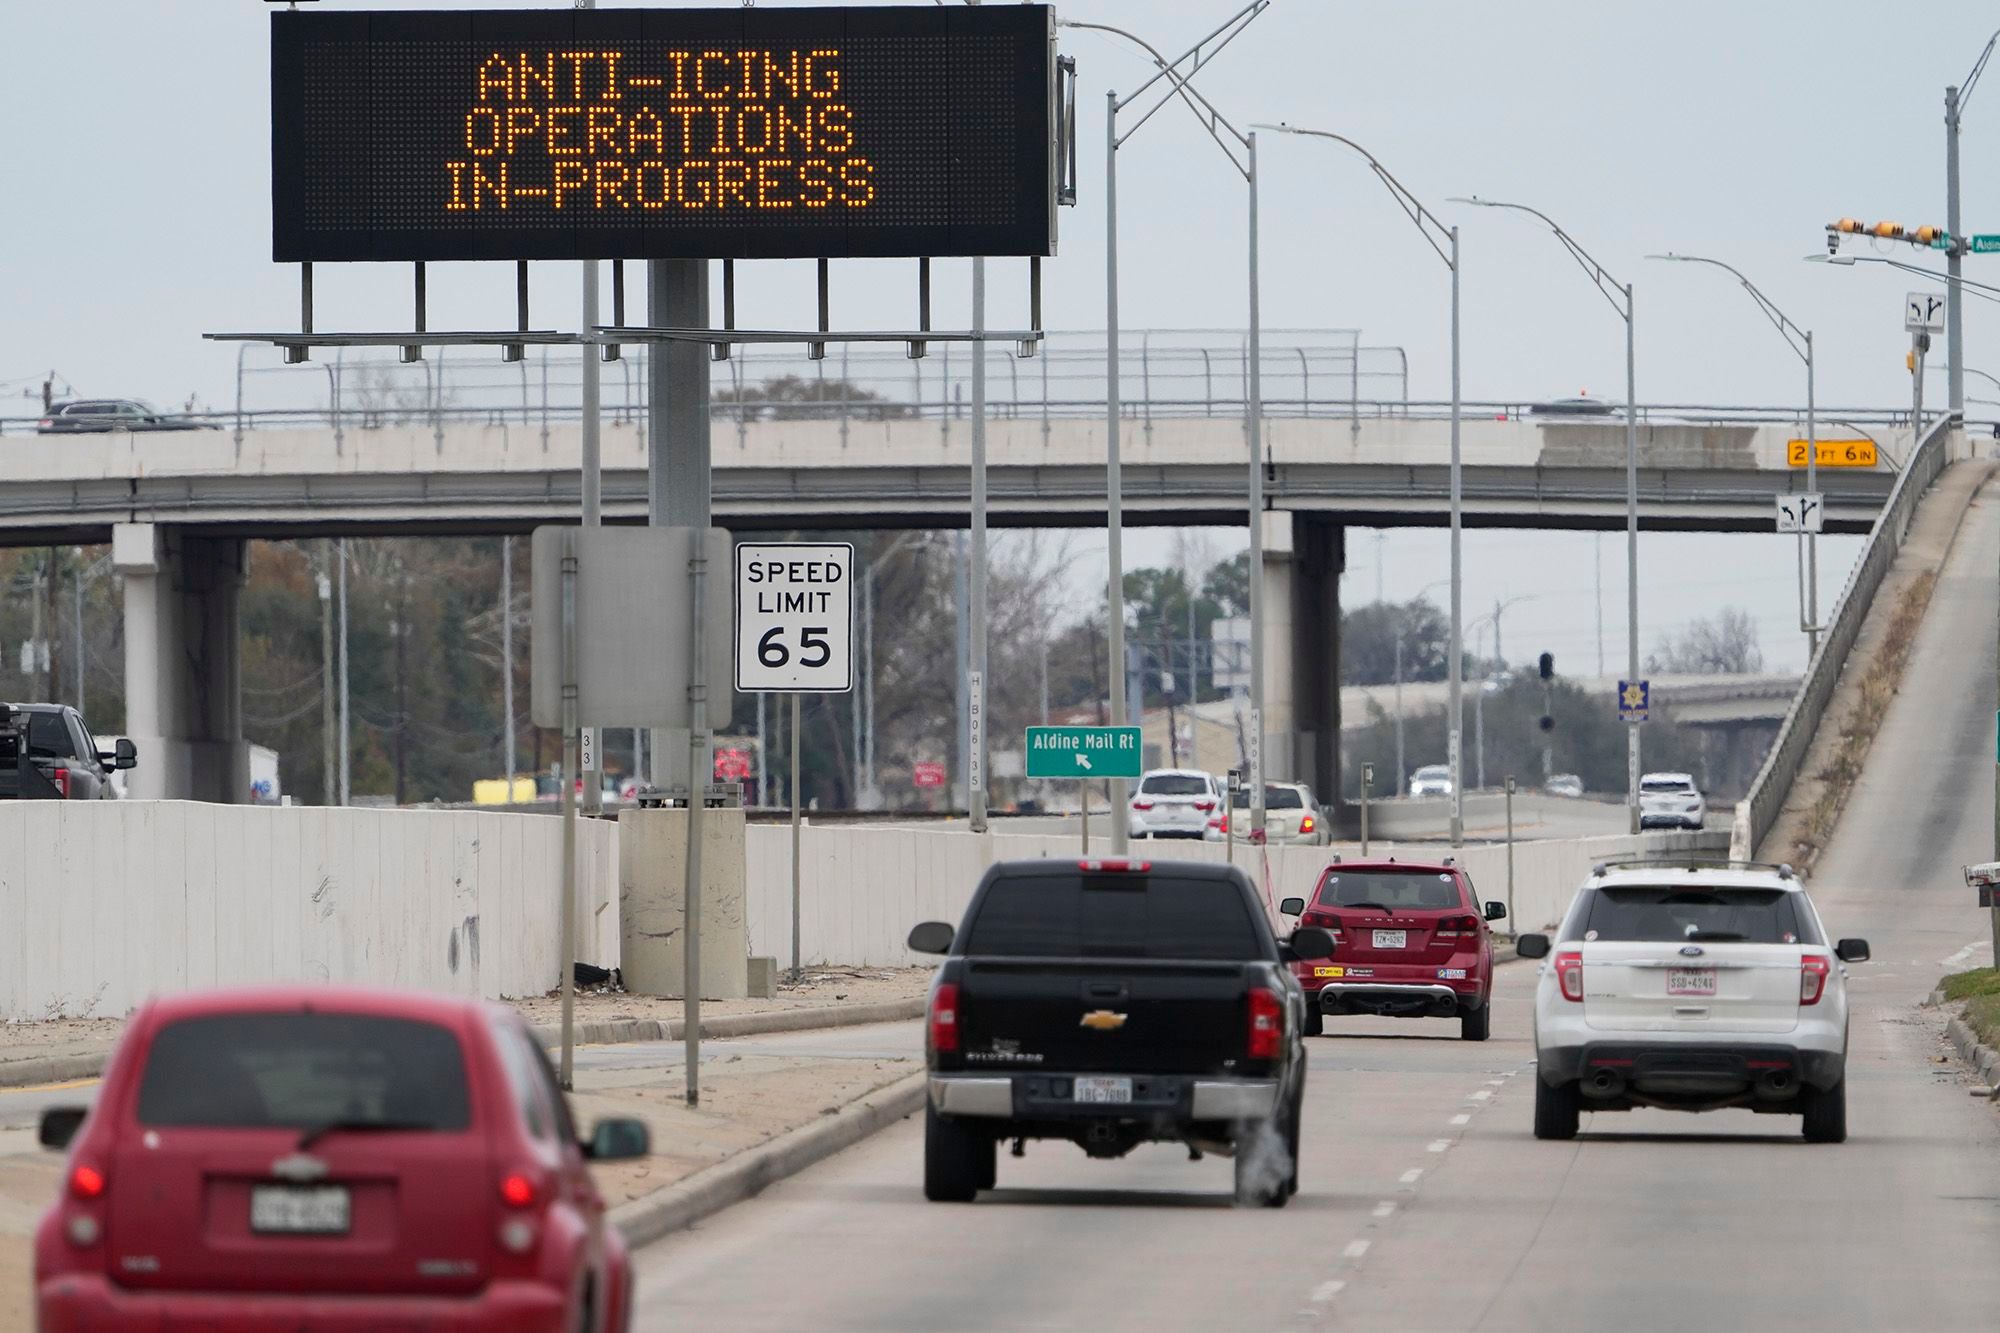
(1103, 1020)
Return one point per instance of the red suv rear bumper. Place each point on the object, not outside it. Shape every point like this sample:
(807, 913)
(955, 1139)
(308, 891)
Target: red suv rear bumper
(1364, 983)
(78, 1301)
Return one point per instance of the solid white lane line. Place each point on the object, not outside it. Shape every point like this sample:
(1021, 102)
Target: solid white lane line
(1439, 1145)
(1411, 1176)
(1384, 1208)
(1355, 1249)
(1461, 1119)
(1326, 1291)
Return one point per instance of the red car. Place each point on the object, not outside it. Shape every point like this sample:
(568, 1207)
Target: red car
(1410, 941)
(319, 1158)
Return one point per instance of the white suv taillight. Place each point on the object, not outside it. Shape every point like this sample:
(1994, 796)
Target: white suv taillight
(1812, 979)
(1569, 974)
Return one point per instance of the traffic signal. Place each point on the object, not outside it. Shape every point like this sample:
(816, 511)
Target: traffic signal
(1548, 666)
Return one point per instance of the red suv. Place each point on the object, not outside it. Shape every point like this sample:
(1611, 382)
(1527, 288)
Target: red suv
(1410, 941)
(330, 1159)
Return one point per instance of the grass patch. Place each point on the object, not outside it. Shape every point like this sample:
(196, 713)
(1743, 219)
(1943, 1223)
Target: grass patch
(1858, 729)
(1965, 985)
(1982, 1014)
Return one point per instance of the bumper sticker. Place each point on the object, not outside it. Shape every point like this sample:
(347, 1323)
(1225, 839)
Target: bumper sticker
(1451, 974)
(1329, 971)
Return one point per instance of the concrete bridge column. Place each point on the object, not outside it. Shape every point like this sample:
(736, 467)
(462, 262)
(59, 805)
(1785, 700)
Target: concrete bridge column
(183, 672)
(1303, 559)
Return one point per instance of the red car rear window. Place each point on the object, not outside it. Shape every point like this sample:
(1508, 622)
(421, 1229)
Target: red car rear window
(1397, 890)
(305, 1070)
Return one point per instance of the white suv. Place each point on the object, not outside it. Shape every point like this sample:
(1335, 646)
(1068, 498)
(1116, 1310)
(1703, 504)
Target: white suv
(1173, 803)
(1692, 985)
(1670, 800)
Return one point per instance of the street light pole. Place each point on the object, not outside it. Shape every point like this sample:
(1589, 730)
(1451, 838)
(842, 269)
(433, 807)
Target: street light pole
(1433, 231)
(1801, 342)
(1194, 58)
(1620, 298)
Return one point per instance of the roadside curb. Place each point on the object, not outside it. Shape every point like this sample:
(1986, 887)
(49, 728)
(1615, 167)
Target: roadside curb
(1985, 1061)
(715, 1188)
(64, 1068)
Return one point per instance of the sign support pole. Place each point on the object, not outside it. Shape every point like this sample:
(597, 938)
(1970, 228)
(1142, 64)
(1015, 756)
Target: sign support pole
(795, 835)
(566, 933)
(976, 702)
(698, 771)
(677, 447)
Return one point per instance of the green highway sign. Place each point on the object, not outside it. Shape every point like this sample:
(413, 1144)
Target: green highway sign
(1986, 245)
(1085, 752)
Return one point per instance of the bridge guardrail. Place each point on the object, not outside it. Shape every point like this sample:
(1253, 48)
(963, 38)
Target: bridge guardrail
(1758, 811)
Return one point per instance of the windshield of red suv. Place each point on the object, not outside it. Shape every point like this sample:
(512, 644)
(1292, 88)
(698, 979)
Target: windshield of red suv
(1397, 890)
(303, 1070)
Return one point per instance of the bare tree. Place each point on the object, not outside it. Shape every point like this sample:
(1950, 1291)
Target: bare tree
(1724, 646)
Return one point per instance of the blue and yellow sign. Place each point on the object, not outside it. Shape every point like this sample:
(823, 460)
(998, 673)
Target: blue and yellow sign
(1635, 698)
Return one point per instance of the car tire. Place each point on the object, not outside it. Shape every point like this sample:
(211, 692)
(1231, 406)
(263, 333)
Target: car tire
(1825, 1112)
(1476, 1024)
(1315, 1024)
(1558, 1110)
(956, 1159)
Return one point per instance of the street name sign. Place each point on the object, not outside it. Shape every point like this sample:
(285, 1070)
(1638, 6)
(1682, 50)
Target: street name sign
(1986, 245)
(737, 133)
(1805, 512)
(1085, 752)
(1923, 312)
(795, 617)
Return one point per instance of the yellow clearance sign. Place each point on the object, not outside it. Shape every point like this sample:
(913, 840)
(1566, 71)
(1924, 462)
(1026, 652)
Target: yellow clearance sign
(1834, 453)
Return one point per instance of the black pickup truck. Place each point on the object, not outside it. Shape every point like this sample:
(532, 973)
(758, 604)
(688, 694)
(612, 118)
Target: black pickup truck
(48, 754)
(1112, 1003)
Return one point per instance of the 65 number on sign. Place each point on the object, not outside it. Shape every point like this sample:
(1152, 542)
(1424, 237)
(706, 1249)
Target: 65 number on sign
(794, 617)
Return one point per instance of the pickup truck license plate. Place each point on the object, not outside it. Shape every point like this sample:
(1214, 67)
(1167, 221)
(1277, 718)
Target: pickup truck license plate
(1104, 1091)
(1392, 939)
(1691, 981)
(321, 1210)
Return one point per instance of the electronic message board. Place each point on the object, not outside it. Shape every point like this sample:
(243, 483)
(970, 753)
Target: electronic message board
(662, 133)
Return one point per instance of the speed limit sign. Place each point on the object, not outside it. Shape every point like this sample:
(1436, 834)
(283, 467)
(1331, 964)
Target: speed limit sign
(795, 617)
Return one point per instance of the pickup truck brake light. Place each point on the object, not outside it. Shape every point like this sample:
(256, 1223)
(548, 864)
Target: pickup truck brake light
(59, 775)
(1114, 865)
(1267, 1024)
(942, 1029)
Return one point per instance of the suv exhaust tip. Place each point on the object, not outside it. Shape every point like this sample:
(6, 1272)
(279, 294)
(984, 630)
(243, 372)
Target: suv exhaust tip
(1604, 1083)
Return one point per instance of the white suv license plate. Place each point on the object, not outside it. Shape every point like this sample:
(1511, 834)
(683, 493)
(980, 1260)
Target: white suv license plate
(282, 1209)
(1392, 939)
(1691, 981)
(1104, 1091)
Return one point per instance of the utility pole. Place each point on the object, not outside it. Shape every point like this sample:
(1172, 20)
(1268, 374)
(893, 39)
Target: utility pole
(330, 763)
(402, 689)
(346, 724)
(507, 658)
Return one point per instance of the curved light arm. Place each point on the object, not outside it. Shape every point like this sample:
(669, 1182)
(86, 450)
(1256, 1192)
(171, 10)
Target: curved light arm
(1795, 337)
(1980, 289)
(1611, 289)
(1205, 111)
(1427, 222)
(1978, 68)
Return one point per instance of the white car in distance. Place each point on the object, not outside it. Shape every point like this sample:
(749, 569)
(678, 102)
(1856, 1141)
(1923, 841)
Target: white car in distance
(1173, 803)
(1691, 986)
(1670, 800)
(1431, 780)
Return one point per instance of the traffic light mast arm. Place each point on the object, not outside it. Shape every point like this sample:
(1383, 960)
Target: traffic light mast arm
(1924, 237)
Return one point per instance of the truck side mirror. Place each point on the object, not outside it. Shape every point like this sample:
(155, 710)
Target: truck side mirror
(1308, 942)
(125, 754)
(931, 937)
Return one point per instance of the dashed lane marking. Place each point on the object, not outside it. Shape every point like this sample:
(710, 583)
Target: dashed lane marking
(1439, 1145)
(1482, 1095)
(1384, 1209)
(1411, 1176)
(1355, 1249)
(1326, 1291)
(1461, 1119)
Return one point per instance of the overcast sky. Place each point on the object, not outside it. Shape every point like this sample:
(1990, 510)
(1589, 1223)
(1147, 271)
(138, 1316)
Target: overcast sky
(139, 218)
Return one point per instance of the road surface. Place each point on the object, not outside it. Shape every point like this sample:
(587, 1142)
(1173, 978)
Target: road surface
(1428, 1204)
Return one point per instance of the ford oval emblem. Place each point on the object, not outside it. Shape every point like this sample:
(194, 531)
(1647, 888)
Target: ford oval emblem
(1690, 951)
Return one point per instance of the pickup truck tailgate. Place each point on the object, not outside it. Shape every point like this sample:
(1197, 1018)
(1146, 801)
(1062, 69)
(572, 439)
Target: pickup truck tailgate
(1115, 1016)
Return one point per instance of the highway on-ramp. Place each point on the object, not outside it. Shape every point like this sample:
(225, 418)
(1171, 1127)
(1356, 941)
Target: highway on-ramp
(1427, 1204)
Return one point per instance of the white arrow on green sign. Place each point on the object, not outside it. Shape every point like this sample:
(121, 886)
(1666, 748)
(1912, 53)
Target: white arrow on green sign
(1986, 245)
(1085, 752)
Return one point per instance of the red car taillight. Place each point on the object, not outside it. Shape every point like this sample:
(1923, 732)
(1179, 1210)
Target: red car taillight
(1267, 1024)
(1142, 805)
(520, 1227)
(943, 1027)
(518, 1191)
(1458, 927)
(86, 1182)
(1812, 979)
(1569, 974)
(1306, 824)
(1204, 806)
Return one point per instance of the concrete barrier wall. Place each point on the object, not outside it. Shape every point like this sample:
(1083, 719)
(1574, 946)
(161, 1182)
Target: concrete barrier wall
(105, 903)
(863, 888)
